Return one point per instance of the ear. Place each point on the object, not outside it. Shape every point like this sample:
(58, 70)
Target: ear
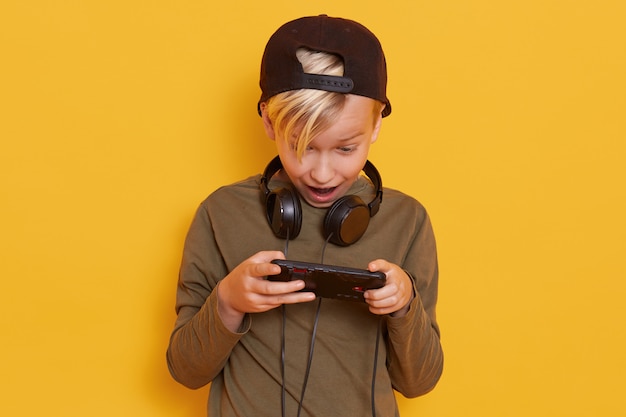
(267, 123)
(377, 125)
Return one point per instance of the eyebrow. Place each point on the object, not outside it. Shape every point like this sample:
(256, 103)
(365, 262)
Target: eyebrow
(359, 133)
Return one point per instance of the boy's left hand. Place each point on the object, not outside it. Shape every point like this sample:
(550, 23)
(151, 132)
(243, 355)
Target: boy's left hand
(396, 296)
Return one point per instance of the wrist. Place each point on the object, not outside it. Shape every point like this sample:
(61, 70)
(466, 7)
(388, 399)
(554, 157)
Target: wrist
(230, 316)
(404, 310)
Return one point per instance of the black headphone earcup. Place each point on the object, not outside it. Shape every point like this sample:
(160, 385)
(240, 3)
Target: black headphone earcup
(346, 220)
(284, 213)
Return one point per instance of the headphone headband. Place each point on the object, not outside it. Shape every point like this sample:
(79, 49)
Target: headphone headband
(372, 173)
(272, 168)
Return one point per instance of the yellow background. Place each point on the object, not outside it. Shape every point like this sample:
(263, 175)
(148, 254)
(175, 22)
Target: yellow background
(118, 117)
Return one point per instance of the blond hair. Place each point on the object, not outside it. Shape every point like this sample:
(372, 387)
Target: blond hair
(302, 114)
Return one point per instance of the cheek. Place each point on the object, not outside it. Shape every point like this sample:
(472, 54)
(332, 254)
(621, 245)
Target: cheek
(281, 146)
(351, 172)
(291, 166)
(287, 156)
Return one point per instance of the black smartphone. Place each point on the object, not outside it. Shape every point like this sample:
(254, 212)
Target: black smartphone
(330, 281)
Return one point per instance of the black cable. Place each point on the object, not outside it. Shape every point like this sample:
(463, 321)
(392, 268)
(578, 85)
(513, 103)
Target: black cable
(282, 362)
(324, 247)
(286, 244)
(317, 316)
(282, 344)
(310, 360)
(373, 394)
(312, 348)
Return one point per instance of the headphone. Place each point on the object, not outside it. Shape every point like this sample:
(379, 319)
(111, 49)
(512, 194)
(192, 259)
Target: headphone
(345, 221)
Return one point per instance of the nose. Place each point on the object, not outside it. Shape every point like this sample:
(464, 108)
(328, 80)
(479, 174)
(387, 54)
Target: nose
(323, 170)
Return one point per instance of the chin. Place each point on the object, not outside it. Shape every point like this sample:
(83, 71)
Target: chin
(318, 204)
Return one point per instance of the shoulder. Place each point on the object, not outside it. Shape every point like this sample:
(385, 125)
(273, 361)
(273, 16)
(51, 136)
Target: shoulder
(246, 189)
(401, 212)
(397, 200)
(245, 186)
(234, 199)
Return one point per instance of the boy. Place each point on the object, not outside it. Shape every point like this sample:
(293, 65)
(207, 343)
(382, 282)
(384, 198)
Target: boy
(266, 346)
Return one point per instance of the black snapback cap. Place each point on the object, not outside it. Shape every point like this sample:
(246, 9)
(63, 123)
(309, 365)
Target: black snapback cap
(365, 68)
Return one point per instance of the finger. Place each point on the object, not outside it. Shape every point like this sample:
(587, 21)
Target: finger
(382, 293)
(384, 300)
(295, 297)
(268, 302)
(269, 256)
(382, 311)
(389, 302)
(267, 287)
(262, 270)
(379, 265)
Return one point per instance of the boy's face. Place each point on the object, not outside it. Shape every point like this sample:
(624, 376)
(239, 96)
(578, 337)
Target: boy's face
(334, 159)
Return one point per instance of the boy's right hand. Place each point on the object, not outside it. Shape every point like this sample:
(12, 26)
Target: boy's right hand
(245, 289)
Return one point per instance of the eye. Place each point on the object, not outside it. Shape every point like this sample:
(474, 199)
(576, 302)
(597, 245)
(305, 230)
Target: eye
(347, 149)
(293, 145)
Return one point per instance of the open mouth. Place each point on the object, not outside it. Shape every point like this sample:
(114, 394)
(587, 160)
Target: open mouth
(322, 191)
(322, 195)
